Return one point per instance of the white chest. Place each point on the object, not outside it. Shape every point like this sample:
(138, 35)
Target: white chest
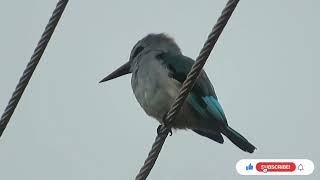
(154, 90)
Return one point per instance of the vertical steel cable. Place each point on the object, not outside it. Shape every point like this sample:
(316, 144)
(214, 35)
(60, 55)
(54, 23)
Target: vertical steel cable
(35, 58)
(186, 88)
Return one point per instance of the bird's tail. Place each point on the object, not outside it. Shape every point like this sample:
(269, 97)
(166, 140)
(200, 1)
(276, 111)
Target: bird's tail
(237, 139)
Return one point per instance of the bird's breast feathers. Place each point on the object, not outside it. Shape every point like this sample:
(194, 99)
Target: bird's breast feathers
(154, 89)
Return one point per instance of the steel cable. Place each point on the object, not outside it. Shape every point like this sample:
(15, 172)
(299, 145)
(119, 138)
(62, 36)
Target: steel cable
(31, 66)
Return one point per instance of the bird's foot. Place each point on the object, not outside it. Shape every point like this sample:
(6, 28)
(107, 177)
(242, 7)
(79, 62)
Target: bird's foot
(166, 124)
(170, 132)
(159, 129)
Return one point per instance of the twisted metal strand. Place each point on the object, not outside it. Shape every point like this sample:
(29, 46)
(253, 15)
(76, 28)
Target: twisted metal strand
(186, 88)
(31, 66)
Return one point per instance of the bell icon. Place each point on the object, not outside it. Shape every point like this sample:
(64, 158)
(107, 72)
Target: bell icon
(300, 167)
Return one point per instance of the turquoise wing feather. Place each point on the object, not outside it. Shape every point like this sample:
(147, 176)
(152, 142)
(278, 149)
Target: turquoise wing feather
(202, 97)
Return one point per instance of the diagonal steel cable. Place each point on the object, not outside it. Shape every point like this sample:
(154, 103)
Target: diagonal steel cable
(31, 66)
(186, 88)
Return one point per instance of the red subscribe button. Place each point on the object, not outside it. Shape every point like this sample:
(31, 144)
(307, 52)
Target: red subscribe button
(275, 166)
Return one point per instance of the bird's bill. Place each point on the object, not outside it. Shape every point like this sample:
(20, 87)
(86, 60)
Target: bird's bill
(123, 70)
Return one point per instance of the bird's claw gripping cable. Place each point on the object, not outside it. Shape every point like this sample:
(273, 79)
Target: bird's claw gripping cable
(167, 126)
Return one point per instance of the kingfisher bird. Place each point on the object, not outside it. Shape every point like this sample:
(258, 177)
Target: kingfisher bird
(158, 70)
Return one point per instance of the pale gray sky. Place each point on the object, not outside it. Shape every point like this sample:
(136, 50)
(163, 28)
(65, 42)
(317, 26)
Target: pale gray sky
(67, 126)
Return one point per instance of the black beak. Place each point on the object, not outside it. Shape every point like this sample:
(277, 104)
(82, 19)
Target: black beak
(123, 70)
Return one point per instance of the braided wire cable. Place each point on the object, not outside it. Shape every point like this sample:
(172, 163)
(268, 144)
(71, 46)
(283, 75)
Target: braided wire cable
(186, 88)
(31, 66)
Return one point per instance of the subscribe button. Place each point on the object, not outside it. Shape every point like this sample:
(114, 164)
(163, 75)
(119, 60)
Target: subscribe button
(275, 167)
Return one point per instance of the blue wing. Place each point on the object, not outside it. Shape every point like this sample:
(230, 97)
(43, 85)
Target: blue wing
(206, 113)
(204, 102)
(180, 66)
(202, 97)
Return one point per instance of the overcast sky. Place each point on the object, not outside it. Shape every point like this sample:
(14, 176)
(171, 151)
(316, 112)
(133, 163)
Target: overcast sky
(265, 69)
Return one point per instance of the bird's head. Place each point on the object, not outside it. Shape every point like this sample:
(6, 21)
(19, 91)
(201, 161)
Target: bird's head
(151, 43)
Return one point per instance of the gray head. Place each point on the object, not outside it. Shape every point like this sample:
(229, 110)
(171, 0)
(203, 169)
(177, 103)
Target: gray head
(152, 42)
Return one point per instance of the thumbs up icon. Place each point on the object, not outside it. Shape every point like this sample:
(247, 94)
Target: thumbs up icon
(249, 167)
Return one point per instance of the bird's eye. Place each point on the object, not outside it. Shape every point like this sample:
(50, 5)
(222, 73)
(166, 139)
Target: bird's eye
(137, 51)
